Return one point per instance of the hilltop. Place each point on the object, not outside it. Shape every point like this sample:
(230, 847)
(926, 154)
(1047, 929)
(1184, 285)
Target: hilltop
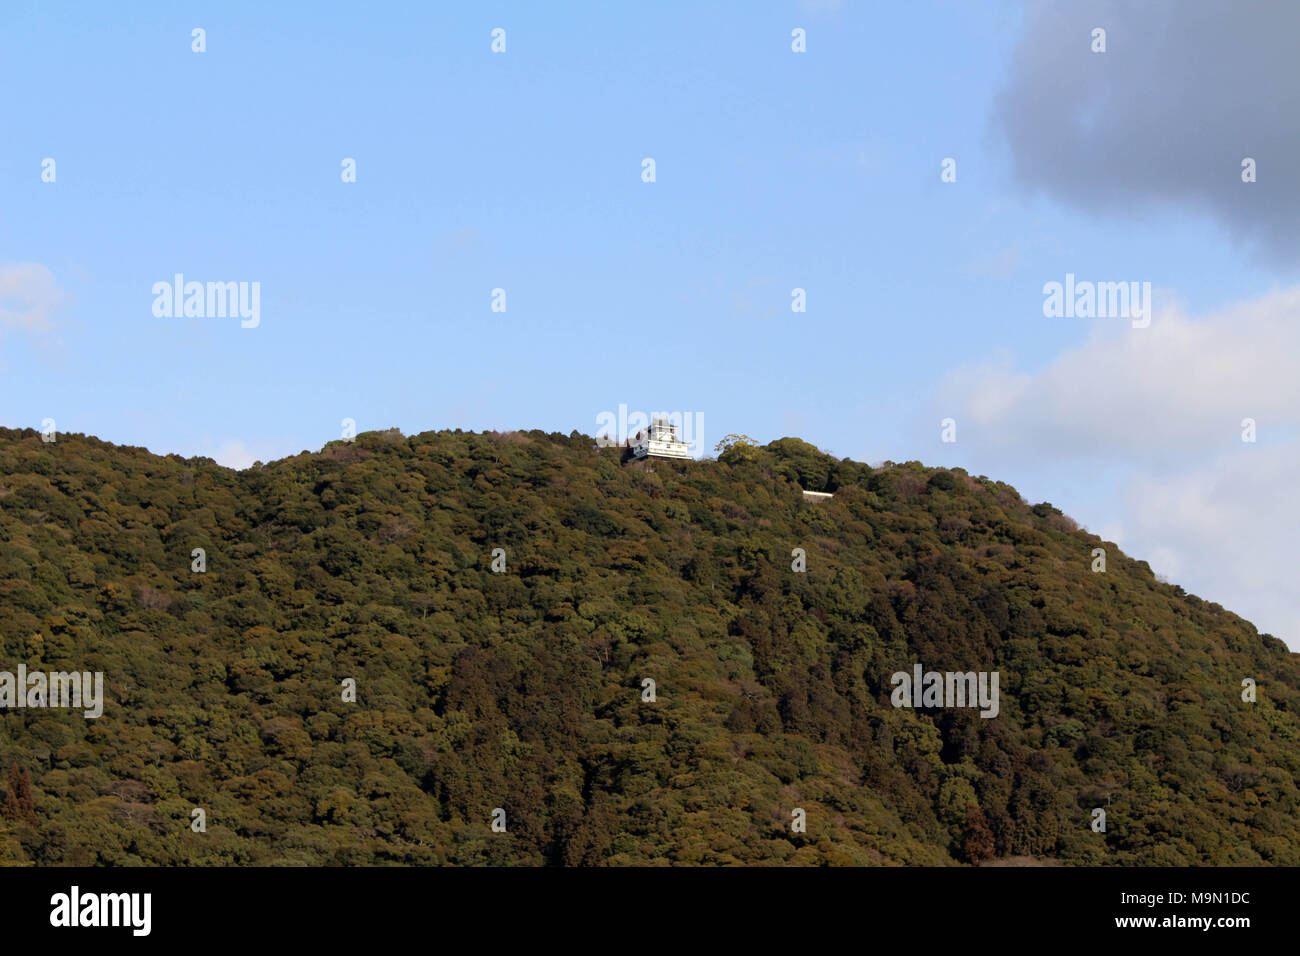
(372, 561)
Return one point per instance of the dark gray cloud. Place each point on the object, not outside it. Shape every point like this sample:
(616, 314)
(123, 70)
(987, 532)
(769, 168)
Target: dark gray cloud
(1185, 90)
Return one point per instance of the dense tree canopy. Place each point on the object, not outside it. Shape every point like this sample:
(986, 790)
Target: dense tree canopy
(525, 688)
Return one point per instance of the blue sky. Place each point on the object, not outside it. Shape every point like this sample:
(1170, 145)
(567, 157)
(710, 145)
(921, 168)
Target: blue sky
(774, 170)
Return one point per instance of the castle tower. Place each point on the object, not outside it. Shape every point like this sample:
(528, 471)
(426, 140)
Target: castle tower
(658, 441)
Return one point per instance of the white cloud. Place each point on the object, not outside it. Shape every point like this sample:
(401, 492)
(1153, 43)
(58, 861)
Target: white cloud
(237, 454)
(1002, 264)
(29, 295)
(1179, 388)
(1159, 411)
(1227, 532)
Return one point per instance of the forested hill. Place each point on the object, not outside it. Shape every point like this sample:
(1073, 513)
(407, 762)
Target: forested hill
(523, 690)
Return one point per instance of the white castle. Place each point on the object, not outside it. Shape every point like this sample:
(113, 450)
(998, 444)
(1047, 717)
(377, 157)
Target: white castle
(658, 441)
